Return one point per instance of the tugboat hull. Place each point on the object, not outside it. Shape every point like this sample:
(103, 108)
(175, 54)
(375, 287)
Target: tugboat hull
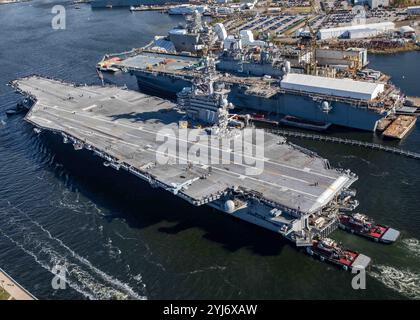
(358, 261)
(378, 233)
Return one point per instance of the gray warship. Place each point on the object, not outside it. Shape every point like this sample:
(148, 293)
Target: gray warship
(297, 194)
(264, 80)
(129, 3)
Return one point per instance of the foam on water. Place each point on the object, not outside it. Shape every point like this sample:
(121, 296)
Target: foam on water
(404, 281)
(211, 268)
(49, 251)
(382, 174)
(2, 121)
(413, 245)
(351, 156)
(71, 200)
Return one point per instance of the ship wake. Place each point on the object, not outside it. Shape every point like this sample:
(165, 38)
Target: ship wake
(49, 251)
(412, 245)
(404, 281)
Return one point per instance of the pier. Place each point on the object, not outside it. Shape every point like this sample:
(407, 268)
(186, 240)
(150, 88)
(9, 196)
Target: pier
(364, 144)
(415, 101)
(11, 290)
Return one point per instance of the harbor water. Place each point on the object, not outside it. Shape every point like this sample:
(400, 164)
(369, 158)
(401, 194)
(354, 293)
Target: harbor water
(119, 238)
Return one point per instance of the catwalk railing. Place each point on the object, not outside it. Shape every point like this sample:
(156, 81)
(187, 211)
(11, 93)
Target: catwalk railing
(371, 145)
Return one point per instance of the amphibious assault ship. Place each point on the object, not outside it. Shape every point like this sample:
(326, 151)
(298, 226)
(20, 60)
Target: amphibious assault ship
(343, 102)
(286, 188)
(262, 81)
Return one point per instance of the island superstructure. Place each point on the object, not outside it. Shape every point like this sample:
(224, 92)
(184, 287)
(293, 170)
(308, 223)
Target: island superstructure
(297, 194)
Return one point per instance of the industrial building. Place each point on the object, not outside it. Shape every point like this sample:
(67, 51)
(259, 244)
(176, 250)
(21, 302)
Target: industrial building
(346, 88)
(407, 31)
(413, 10)
(355, 58)
(246, 39)
(356, 31)
(373, 4)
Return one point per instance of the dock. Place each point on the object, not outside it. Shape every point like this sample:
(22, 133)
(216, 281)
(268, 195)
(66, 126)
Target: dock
(11, 289)
(415, 101)
(161, 8)
(400, 127)
(351, 142)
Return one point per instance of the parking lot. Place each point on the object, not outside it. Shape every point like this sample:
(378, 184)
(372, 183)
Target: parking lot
(265, 23)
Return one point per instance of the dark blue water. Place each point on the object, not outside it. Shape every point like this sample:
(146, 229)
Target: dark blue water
(119, 238)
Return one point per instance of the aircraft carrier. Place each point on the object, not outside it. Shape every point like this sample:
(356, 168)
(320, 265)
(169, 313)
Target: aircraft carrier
(297, 194)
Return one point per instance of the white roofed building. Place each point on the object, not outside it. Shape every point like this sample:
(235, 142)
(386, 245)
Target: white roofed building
(369, 30)
(413, 10)
(345, 88)
(373, 4)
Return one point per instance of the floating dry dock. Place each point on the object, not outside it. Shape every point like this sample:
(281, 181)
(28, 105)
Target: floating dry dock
(297, 194)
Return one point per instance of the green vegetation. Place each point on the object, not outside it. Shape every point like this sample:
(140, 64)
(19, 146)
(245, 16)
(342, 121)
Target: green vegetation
(216, 20)
(294, 26)
(3, 294)
(405, 3)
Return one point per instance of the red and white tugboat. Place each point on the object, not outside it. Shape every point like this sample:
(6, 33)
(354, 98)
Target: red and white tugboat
(360, 224)
(328, 250)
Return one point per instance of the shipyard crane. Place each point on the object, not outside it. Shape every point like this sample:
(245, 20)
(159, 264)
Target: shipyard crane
(310, 40)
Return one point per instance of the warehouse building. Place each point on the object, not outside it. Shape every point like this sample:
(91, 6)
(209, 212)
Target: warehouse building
(355, 58)
(373, 4)
(346, 88)
(413, 10)
(356, 31)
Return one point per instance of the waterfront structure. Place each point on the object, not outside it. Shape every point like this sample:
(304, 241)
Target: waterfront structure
(407, 31)
(374, 4)
(413, 10)
(356, 31)
(186, 9)
(255, 75)
(13, 289)
(345, 88)
(354, 58)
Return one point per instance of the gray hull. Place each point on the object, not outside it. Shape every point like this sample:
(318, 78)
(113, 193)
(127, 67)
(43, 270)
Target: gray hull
(249, 69)
(342, 114)
(128, 3)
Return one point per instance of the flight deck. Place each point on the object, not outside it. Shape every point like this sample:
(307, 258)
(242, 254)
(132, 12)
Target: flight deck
(286, 188)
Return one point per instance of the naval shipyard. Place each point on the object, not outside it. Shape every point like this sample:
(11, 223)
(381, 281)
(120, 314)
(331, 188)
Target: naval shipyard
(281, 84)
(293, 192)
